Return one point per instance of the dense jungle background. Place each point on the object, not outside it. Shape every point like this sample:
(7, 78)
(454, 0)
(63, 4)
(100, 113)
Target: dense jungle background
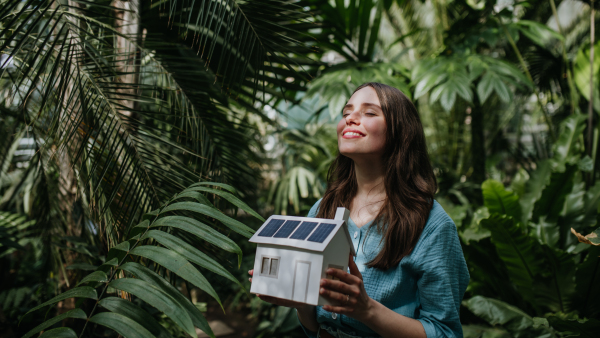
(143, 142)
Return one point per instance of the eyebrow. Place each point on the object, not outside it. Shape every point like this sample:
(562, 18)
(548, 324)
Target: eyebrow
(349, 105)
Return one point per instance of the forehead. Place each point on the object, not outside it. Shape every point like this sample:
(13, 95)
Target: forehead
(364, 95)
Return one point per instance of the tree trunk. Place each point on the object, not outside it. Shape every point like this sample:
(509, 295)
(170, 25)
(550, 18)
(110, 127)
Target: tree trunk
(477, 142)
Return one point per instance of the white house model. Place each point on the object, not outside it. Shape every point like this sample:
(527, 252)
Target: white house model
(293, 254)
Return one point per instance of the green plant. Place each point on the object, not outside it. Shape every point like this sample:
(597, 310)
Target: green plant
(543, 271)
(163, 245)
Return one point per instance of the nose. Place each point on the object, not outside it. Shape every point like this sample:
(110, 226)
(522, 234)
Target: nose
(353, 118)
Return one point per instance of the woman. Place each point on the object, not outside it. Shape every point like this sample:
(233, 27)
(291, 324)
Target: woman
(409, 275)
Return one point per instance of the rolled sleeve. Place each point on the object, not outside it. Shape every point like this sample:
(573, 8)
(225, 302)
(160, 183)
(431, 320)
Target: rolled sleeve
(444, 279)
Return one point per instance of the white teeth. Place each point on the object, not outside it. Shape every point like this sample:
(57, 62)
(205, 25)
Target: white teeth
(352, 134)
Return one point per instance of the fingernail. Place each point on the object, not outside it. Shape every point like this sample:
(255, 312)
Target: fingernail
(322, 290)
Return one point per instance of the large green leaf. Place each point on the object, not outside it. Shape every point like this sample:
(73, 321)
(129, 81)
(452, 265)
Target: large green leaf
(498, 200)
(151, 277)
(59, 332)
(555, 289)
(514, 320)
(125, 326)
(587, 278)
(568, 147)
(178, 265)
(478, 331)
(213, 213)
(229, 197)
(520, 253)
(75, 313)
(582, 72)
(190, 253)
(551, 202)
(533, 189)
(79, 292)
(574, 328)
(156, 297)
(96, 276)
(201, 230)
(135, 313)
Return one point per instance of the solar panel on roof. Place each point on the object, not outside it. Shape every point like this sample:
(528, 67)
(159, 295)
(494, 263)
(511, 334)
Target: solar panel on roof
(304, 230)
(271, 228)
(321, 233)
(287, 228)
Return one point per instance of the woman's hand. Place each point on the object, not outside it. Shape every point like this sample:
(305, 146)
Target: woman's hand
(279, 301)
(347, 295)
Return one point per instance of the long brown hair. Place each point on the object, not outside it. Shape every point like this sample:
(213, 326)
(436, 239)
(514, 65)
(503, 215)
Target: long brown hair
(409, 179)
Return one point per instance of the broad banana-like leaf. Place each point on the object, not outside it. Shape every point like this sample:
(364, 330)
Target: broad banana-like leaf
(514, 320)
(581, 73)
(576, 328)
(587, 293)
(568, 147)
(520, 253)
(499, 200)
(534, 187)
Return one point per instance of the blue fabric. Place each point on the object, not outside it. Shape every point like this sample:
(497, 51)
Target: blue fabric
(427, 285)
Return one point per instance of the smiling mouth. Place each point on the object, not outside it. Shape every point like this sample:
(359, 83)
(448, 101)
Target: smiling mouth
(352, 134)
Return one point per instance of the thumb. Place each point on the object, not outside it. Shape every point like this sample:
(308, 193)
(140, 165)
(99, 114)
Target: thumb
(353, 268)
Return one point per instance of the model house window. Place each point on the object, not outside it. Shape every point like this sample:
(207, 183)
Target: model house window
(331, 266)
(269, 266)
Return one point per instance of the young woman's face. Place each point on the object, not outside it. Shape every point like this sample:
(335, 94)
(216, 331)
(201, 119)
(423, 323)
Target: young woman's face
(362, 130)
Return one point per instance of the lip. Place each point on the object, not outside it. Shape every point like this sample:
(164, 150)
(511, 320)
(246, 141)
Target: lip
(350, 130)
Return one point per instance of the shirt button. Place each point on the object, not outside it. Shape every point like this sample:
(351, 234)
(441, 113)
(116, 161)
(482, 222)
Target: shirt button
(334, 316)
(355, 234)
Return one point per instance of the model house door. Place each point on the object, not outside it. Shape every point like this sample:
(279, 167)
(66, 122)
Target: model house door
(301, 276)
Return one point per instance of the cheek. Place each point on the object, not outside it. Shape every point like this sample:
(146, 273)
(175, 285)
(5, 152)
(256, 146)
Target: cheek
(378, 133)
(340, 126)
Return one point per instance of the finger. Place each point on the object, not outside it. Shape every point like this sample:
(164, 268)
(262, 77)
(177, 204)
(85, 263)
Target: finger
(251, 272)
(337, 297)
(339, 286)
(353, 268)
(343, 276)
(250, 279)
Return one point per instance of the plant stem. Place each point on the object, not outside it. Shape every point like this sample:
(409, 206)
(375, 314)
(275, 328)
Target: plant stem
(591, 101)
(572, 89)
(524, 66)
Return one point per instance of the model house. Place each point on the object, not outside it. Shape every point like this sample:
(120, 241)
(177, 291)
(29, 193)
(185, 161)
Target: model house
(293, 254)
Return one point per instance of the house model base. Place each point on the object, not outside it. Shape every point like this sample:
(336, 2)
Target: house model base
(293, 254)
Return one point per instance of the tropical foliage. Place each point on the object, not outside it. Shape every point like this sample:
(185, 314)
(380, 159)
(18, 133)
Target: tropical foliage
(137, 139)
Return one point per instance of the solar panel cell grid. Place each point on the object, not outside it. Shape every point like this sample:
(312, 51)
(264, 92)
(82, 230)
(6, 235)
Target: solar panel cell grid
(286, 230)
(321, 233)
(304, 230)
(271, 228)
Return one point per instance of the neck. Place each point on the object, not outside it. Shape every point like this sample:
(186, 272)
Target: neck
(369, 177)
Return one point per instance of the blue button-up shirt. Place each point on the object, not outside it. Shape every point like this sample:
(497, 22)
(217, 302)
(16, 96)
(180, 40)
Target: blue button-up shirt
(427, 285)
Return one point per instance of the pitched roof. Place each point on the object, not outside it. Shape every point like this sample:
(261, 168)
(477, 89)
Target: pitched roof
(300, 232)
